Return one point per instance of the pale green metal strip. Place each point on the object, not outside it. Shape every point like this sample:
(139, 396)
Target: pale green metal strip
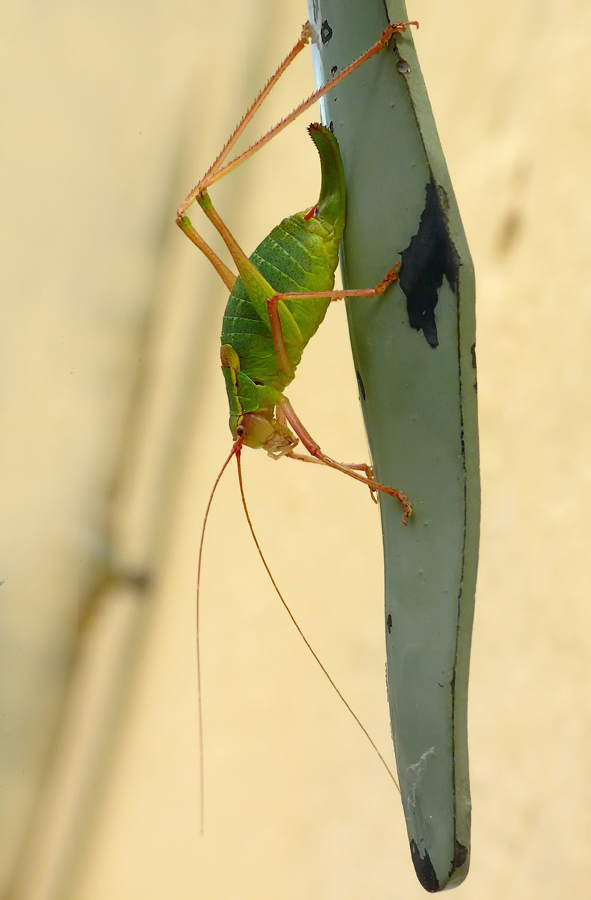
(414, 355)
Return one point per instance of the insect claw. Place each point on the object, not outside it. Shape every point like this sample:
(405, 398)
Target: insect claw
(407, 508)
(399, 27)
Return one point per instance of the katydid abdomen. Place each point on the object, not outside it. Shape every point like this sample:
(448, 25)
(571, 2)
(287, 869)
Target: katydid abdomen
(291, 260)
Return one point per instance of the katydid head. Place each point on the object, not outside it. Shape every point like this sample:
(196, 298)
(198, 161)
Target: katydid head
(261, 431)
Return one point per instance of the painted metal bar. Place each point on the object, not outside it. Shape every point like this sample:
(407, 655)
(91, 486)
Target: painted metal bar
(414, 356)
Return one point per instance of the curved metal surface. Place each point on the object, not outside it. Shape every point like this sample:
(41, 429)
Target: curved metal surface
(414, 356)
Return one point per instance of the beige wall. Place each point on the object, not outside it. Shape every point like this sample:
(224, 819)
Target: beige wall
(110, 113)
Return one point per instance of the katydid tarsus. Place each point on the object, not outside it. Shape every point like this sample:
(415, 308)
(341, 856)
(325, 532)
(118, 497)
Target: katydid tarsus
(278, 301)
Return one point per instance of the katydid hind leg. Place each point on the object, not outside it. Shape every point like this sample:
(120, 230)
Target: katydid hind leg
(200, 188)
(219, 265)
(247, 117)
(217, 171)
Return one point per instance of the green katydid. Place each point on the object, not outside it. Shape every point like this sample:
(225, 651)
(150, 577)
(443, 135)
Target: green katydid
(279, 300)
(283, 291)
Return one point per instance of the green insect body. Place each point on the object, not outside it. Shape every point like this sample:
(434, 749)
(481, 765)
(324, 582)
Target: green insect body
(299, 255)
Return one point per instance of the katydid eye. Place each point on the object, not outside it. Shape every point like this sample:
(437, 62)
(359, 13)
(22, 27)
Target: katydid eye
(240, 430)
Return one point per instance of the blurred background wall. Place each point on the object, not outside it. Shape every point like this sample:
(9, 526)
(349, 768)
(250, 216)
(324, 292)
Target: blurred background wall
(114, 424)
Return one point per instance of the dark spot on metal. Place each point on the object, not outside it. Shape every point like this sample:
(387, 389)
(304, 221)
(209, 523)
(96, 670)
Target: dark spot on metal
(424, 869)
(460, 855)
(325, 32)
(331, 126)
(402, 66)
(360, 383)
(473, 352)
(389, 623)
(334, 70)
(429, 257)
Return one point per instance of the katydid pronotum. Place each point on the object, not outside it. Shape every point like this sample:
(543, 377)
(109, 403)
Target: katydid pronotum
(278, 301)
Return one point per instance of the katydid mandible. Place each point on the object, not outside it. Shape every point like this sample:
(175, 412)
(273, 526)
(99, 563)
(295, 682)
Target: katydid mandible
(282, 292)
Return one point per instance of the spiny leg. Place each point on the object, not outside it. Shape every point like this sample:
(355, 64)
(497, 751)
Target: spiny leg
(273, 309)
(209, 179)
(247, 117)
(361, 467)
(217, 171)
(302, 457)
(314, 449)
(183, 220)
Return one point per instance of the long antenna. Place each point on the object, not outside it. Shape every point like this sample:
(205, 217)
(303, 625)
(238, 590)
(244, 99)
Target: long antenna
(236, 451)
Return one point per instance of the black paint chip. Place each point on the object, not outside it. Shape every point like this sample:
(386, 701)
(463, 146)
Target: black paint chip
(424, 869)
(325, 32)
(429, 257)
(360, 385)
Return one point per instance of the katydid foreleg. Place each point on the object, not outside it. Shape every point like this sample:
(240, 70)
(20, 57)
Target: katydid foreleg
(314, 449)
(303, 457)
